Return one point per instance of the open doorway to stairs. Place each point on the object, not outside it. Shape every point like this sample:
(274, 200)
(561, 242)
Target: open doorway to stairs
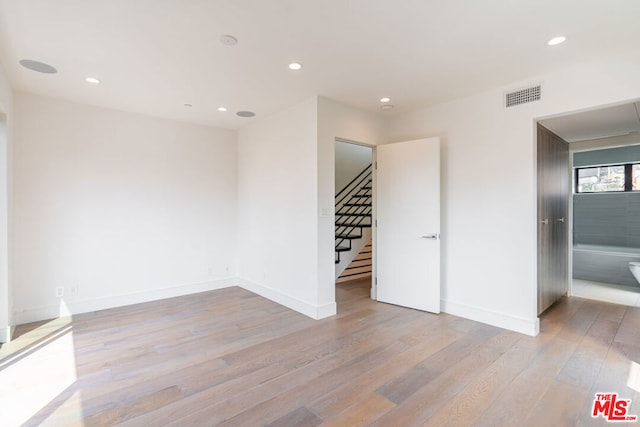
(354, 194)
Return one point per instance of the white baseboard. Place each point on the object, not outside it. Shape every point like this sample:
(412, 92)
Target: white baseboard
(6, 333)
(296, 304)
(524, 326)
(71, 307)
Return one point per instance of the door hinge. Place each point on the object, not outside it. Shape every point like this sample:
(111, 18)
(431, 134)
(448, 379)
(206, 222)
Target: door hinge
(376, 165)
(376, 222)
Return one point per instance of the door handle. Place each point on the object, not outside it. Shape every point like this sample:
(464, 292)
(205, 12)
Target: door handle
(560, 219)
(545, 221)
(433, 236)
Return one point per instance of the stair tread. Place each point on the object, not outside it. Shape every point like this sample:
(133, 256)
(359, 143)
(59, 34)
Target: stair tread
(342, 248)
(342, 224)
(357, 204)
(353, 214)
(348, 236)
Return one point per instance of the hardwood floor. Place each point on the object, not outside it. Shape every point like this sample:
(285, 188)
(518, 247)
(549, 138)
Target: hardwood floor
(232, 358)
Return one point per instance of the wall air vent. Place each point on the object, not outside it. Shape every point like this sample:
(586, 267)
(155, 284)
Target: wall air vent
(522, 96)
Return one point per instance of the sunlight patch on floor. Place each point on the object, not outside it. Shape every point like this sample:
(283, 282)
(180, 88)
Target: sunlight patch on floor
(71, 411)
(634, 376)
(33, 376)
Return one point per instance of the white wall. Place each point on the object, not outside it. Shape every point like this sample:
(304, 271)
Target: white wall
(127, 208)
(489, 185)
(351, 159)
(6, 293)
(286, 193)
(130, 208)
(278, 208)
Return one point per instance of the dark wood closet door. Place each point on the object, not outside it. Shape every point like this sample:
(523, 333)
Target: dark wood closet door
(553, 206)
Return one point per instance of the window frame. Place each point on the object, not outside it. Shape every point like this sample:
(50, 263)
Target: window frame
(628, 181)
(630, 177)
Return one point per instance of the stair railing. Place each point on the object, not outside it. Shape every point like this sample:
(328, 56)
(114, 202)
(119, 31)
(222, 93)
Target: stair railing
(352, 217)
(351, 186)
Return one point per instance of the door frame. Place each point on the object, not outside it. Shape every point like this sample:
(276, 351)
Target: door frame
(374, 245)
(570, 221)
(6, 306)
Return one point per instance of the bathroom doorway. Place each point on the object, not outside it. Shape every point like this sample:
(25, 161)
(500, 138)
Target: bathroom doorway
(604, 220)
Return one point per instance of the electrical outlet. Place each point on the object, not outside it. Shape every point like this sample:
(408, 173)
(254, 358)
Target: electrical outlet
(59, 291)
(226, 268)
(73, 291)
(210, 271)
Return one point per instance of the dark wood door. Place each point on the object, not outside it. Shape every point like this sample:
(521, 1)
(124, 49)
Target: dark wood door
(554, 190)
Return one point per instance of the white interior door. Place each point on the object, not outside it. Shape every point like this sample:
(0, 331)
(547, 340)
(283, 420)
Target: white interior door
(408, 232)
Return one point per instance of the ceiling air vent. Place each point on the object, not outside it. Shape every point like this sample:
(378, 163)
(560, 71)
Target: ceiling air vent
(522, 96)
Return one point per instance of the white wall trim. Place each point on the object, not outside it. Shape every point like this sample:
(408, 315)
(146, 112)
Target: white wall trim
(524, 326)
(71, 307)
(296, 304)
(327, 310)
(6, 334)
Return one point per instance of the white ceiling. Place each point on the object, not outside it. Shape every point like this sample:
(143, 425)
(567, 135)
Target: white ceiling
(153, 56)
(600, 123)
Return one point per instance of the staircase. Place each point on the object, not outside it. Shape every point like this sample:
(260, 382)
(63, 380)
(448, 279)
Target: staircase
(353, 210)
(359, 267)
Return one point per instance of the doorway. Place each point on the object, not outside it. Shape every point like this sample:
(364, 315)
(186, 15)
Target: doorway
(606, 238)
(354, 203)
(603, 220)
(399, 198)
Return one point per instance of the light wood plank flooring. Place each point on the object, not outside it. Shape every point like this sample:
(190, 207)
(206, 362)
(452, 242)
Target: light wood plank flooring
(232, 358)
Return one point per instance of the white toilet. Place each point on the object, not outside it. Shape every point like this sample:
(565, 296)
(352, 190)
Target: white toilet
(634, 266)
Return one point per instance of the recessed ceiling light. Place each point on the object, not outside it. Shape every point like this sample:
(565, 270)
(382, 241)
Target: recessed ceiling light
(188, 105)
(228, 40)
(92, 80)
(556, 40)
(385, 99)
(245, 113)
(38, 66)
(222, 109)
(386, 107)
(295, 66)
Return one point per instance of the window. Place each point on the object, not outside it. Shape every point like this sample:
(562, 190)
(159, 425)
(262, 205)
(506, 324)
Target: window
(605, 179)
(601, 179)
